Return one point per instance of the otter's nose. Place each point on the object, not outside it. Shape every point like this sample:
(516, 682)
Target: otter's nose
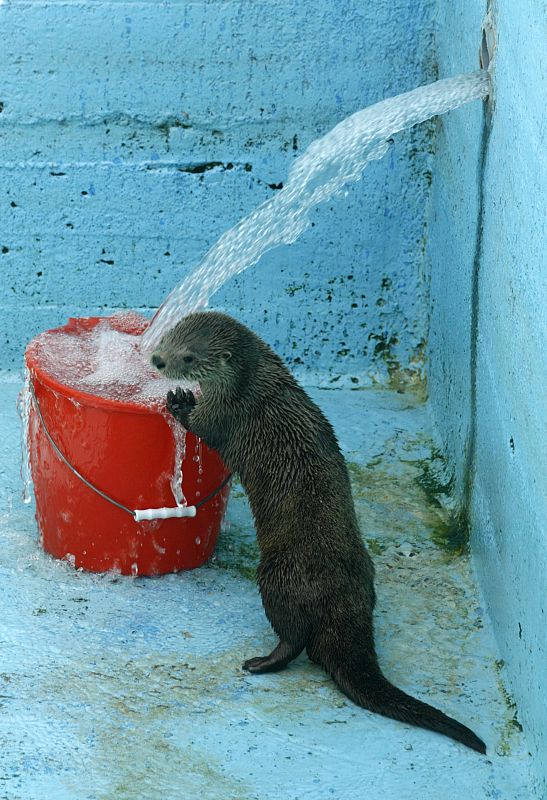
(158, 361)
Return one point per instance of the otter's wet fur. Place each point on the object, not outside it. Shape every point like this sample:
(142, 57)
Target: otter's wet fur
(315, 574)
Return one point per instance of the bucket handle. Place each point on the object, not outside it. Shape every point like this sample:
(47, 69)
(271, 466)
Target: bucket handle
(138, 514)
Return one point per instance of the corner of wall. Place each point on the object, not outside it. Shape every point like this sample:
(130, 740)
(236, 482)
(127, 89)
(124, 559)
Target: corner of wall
(488, 336)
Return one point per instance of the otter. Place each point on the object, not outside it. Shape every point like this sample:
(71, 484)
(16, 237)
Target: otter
(315, 576)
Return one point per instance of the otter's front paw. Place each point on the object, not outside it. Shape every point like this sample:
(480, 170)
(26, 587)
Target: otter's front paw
(180, 403)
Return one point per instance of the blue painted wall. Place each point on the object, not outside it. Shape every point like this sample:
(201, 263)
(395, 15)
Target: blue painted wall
(134, 133)
(488, 295)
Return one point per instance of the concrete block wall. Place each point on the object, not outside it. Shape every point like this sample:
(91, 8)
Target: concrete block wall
(133, 134)
(488, 335)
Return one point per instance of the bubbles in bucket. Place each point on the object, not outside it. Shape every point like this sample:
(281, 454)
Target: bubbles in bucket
(104, 360)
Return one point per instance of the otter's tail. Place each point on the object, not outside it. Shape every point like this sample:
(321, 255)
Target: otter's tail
(371, 690)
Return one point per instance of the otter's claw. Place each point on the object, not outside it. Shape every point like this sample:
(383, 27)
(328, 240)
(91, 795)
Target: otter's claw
(255, 664)
(180, 403)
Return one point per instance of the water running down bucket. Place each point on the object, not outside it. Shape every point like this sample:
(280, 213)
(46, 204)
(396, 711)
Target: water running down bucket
(125, 448)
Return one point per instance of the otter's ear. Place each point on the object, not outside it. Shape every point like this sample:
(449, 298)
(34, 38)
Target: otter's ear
(226, 356)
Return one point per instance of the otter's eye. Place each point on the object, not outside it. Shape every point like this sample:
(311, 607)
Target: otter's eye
(188, 359)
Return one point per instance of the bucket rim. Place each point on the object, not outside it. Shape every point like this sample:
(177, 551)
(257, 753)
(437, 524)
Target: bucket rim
(75, 324)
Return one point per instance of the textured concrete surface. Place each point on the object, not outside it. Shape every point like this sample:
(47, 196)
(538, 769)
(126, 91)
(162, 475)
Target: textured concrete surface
(132, 134)
(488, 335)
(127, 688)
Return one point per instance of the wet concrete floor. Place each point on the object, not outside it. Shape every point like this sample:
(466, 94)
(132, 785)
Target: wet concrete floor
(132, 688)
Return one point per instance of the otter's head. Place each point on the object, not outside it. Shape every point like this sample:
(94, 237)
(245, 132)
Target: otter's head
(199, 348)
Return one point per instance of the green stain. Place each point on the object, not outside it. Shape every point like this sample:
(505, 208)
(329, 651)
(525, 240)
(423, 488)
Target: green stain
(293, 288)
(451, 532)
(406, 495)
(411, 378)
(450, 529)
(452, 536)
(432, 476)
(199, 772)
(511, 725)
(359, 476)
(375, 547)
(237, 551)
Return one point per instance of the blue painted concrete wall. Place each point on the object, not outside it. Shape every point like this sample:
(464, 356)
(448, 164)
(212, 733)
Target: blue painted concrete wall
(134, 133)
(497, 406)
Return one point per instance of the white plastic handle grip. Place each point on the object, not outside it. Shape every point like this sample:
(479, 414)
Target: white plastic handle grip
(164, 513)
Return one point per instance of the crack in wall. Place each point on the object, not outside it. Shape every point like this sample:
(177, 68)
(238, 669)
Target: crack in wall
(471, 443)
(470, 449)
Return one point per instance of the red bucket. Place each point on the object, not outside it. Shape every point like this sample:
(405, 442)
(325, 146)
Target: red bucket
(126, 450)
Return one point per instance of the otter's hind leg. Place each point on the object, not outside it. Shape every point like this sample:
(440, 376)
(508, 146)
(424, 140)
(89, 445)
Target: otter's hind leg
(278, 658)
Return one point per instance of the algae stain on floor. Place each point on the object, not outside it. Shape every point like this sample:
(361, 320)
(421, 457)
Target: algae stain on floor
(423, 577)
(412, 489)
(391, 501)
(237, 551)
(512, 726)
(198, 773)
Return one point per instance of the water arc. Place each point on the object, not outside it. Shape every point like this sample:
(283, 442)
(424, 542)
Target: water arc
(327, 165)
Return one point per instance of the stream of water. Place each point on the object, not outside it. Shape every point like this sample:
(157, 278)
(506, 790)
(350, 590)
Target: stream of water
(328, 164)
